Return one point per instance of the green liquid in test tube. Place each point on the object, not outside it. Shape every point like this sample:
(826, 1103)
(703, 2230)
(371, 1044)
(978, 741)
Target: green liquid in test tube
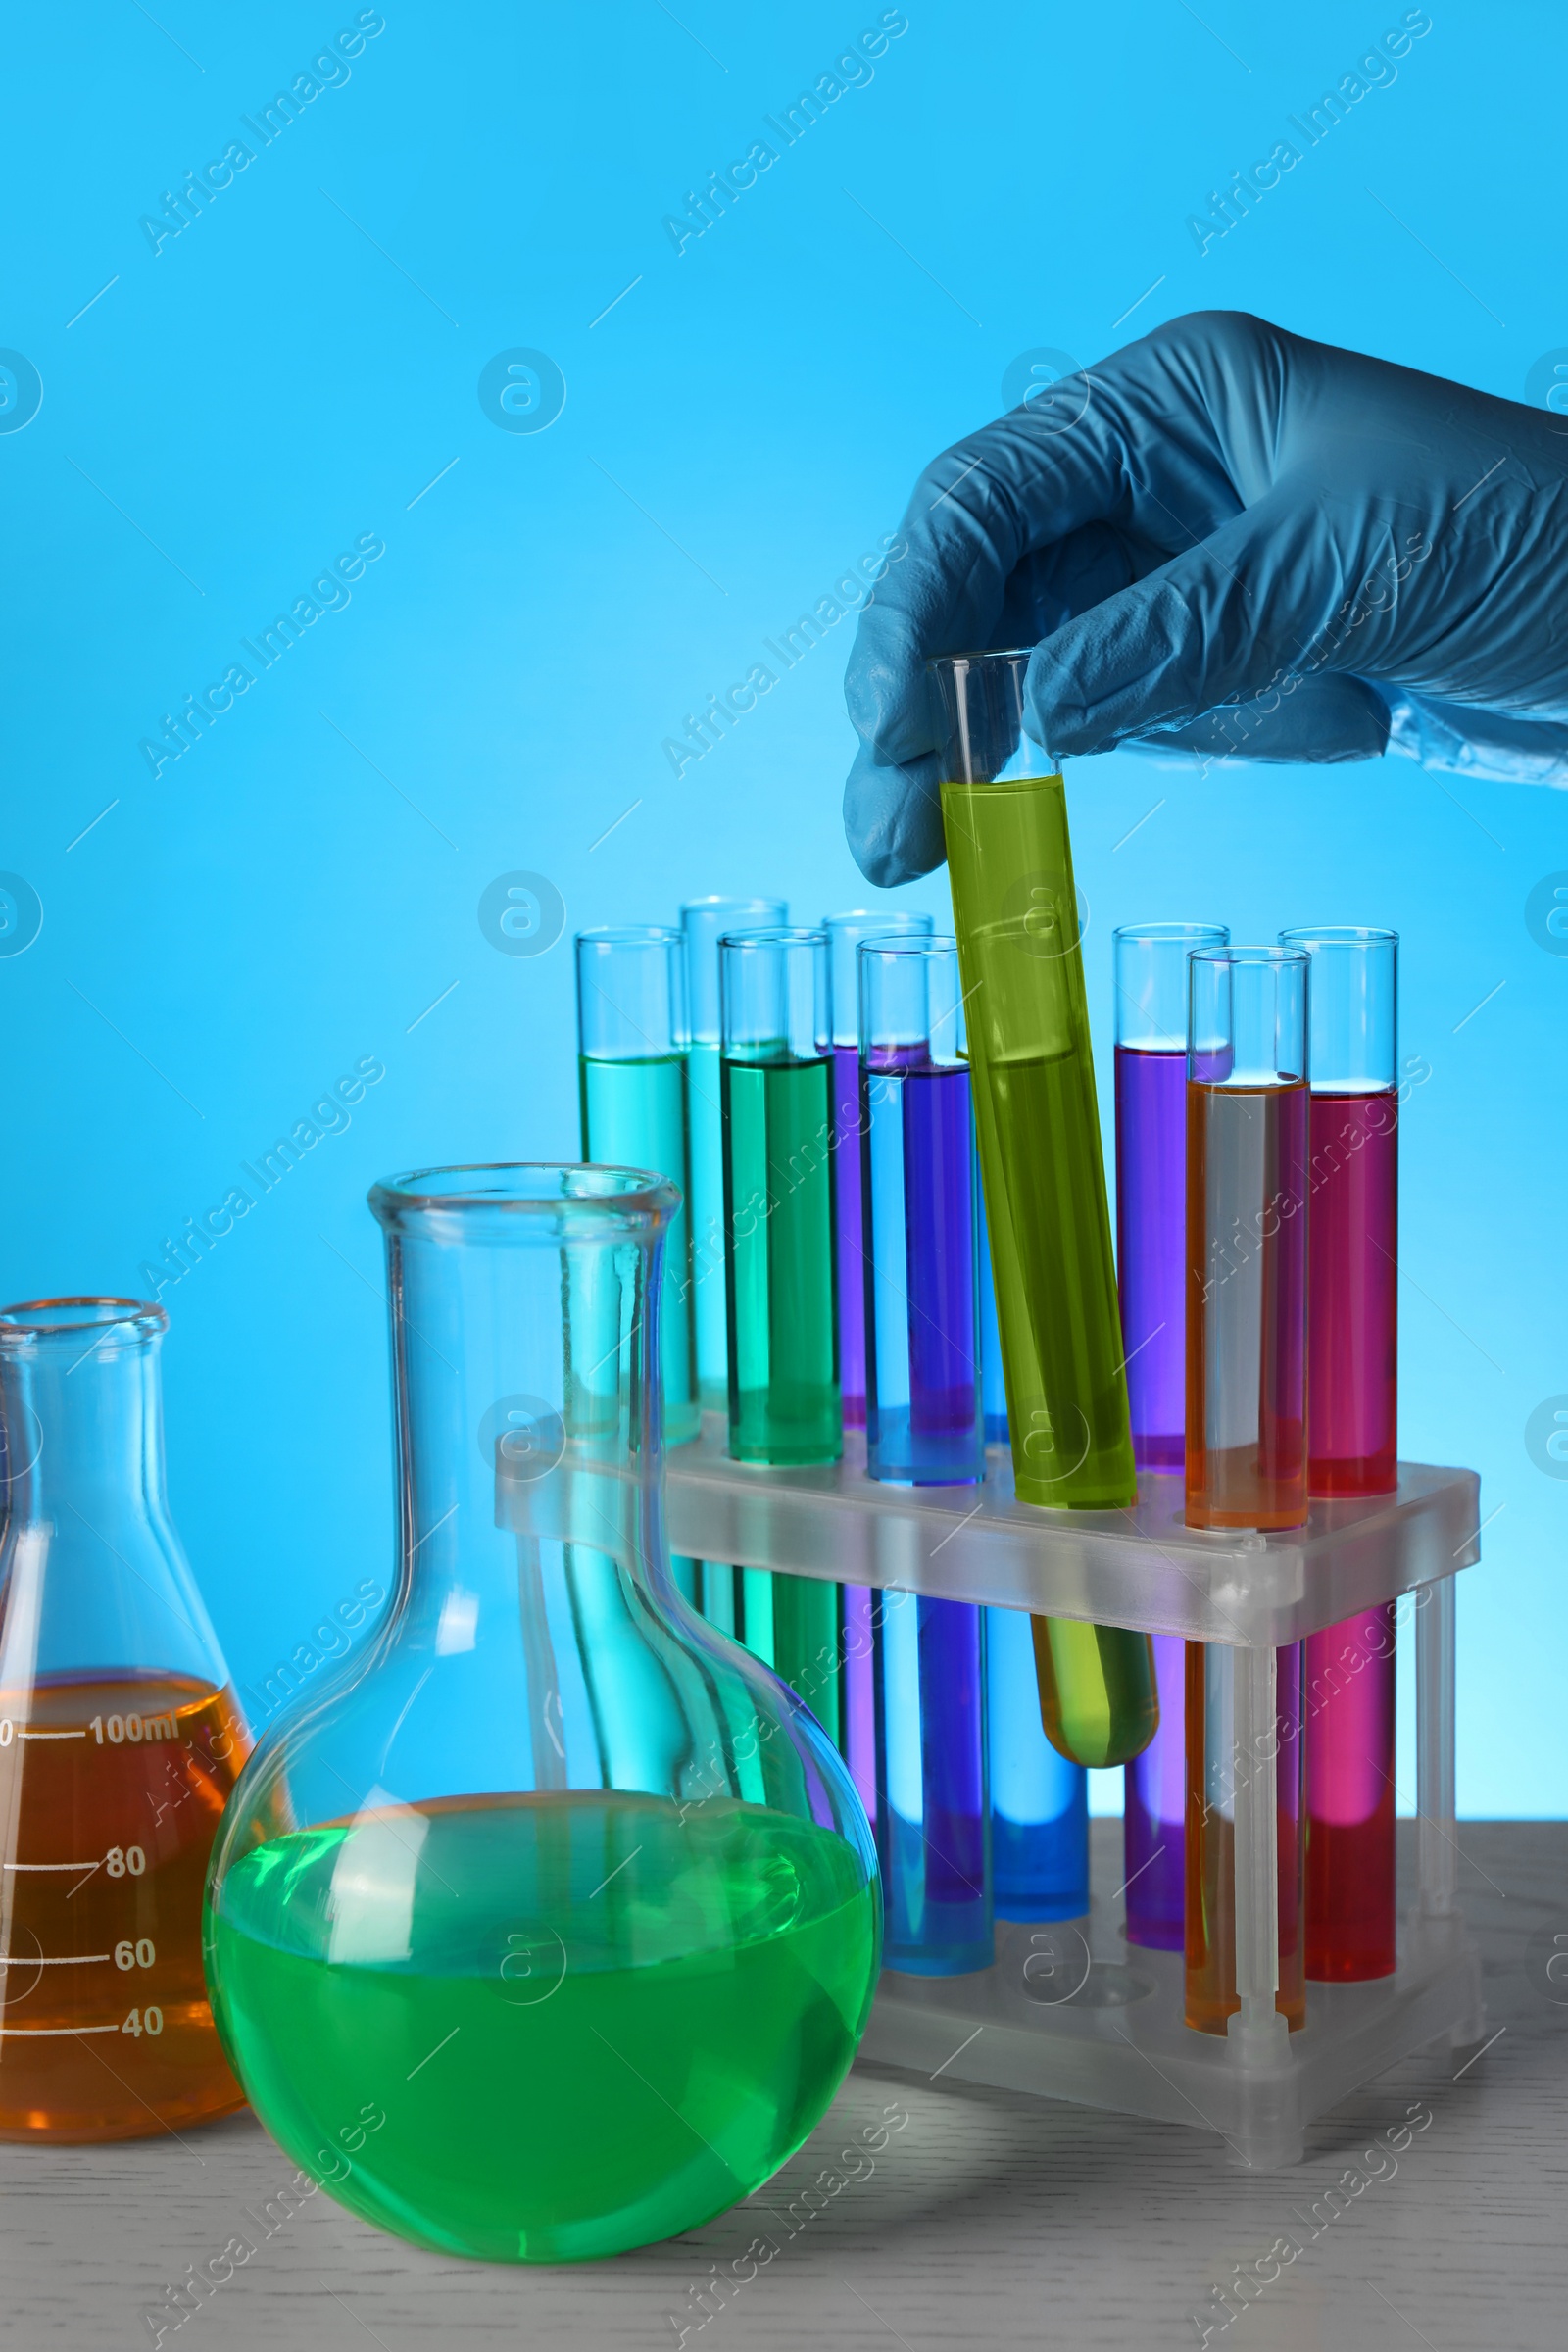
(631, 1094)
(1009, 861)
(737, 1600)
(703, 923)
(776, 1080)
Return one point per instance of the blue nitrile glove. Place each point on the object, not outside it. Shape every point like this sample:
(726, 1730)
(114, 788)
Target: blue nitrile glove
(1237, 541)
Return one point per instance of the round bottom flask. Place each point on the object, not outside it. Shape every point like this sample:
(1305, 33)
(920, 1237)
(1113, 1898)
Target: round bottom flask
(552, 1927)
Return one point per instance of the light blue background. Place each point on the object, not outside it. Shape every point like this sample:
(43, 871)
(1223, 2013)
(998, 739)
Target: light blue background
(296, 891)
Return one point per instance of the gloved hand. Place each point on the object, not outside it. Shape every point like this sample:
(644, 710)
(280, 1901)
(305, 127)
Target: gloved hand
(1231, 539)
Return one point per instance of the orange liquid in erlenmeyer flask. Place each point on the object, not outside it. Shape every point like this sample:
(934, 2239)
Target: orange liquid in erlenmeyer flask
(109, 1795)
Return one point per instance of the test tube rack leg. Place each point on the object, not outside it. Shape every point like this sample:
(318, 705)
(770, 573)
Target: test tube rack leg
(1071, 2012)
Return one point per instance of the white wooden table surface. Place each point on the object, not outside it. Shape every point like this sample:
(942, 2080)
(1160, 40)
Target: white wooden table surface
(987, 2220)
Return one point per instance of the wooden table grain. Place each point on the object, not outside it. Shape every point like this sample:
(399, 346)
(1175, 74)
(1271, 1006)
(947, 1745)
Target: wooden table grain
(986, 2219)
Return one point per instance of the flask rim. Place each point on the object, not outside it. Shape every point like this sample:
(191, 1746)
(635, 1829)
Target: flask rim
(542, 1192)
(29, 1321)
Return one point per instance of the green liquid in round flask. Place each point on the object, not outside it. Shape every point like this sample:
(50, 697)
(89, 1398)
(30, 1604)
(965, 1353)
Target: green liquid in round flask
(552, 1927)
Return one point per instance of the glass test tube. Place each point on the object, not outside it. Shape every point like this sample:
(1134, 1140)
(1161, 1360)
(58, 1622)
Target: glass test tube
(633, 1101)
(1217, 1772)
(1039, 1797)
(845, 933)
(925, 1401)
(924, 1427)
(1247, 1215)
(776, 1091)
(737, 1600)
(1150, 991)
(1352, 1402)
(703, 923)
(932, 1805)
(1009, 861)
(1247, 1225)
(1039, 1800)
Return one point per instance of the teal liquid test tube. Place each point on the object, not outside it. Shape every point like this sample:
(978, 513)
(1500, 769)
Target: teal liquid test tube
(632, 1099)
(737, 1600)
(776, 1093)
(632, 1103)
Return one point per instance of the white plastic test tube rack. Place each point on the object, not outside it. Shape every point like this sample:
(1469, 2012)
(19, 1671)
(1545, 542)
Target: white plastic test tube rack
(1072, 2012)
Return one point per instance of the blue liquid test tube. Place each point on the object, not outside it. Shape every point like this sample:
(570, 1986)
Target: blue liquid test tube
(1039, 1798)
(845, 933)
(924, 1426)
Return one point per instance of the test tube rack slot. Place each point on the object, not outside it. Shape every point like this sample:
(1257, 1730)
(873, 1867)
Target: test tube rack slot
(1070, 2011)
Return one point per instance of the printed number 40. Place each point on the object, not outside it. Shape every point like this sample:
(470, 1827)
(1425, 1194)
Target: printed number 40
(144, 2021)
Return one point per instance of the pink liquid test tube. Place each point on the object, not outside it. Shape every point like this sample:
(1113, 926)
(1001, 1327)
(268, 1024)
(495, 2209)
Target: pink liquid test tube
(1150, 986)
(1353, 1391)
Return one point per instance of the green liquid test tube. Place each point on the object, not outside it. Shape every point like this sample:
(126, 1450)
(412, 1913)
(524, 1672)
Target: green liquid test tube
(703, 924)
(776, 1093)
(1015, 911)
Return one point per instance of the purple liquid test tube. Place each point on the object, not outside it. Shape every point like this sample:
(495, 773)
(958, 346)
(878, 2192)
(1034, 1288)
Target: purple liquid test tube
(1150, 986)
(925, 1426)
(845, 933)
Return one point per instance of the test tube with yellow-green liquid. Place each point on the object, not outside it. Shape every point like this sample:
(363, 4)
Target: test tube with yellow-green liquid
(1015, 911)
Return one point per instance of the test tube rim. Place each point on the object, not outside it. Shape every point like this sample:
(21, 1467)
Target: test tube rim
(906, 943)
(990, 653)
(775, 935)
(1308, 935)
(1162, 933)
(1258, 957)
(630, 935)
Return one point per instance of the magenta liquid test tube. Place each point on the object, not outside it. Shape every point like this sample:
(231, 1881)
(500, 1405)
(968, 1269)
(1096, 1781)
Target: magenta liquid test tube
(1150, 987)
(1352, 1412)
(1039, 1798)
(1151, 979)
(845, 933)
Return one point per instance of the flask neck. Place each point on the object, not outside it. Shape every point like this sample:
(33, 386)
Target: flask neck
(520, 1357)
(82, 1419)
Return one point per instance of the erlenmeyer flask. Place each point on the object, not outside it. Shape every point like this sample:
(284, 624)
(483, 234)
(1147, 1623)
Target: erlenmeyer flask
(120, 1741)
(551, 1928)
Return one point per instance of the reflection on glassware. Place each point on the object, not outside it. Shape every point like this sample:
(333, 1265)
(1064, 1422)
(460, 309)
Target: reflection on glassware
(1039, 1800)
(120, 1741)
(1214, 1765)
(1247, 1225)
(1018, 921)
(551, 1926)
